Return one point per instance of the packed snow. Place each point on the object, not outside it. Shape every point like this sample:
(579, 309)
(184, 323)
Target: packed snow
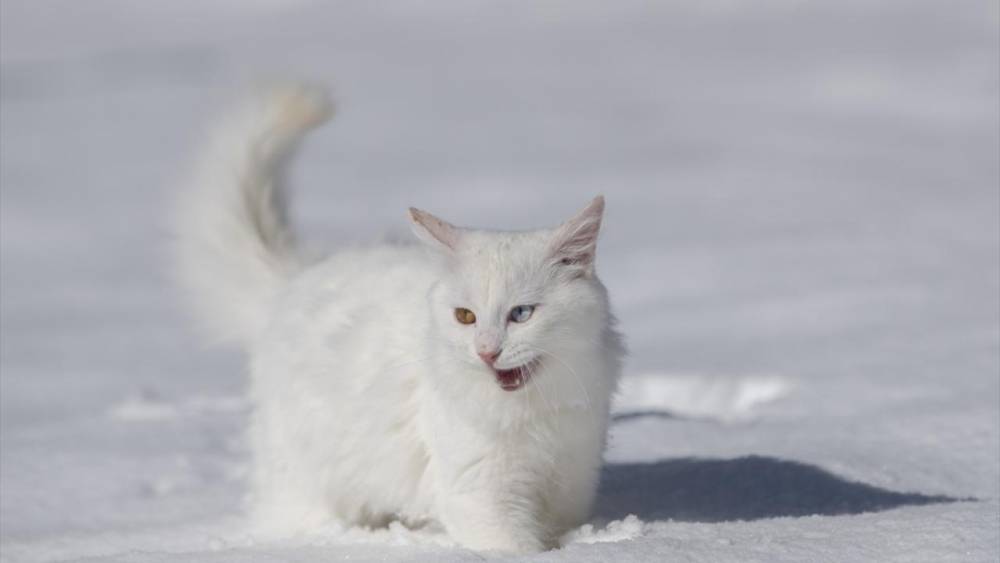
(802, 244)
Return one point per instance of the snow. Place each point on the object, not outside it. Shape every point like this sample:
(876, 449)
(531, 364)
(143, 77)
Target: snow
(696, 395)
(802, 244)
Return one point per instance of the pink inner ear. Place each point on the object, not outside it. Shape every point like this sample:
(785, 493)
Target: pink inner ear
(431, 229)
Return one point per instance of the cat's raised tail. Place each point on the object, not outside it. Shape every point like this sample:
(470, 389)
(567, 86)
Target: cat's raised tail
(234, 246)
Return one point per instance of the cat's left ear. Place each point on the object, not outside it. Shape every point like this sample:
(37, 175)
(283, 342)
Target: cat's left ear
(436, 232)
(574, 243)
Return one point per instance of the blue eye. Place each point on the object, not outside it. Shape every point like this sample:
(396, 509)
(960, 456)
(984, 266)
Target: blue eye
(521, 313)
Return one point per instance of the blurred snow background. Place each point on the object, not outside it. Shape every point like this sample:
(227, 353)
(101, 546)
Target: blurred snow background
(802, 243)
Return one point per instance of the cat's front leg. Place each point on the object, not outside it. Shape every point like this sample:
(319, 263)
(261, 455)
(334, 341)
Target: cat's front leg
(486, 511)
(487, 483)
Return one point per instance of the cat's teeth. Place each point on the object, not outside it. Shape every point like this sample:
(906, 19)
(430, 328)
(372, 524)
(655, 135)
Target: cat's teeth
(511, 379)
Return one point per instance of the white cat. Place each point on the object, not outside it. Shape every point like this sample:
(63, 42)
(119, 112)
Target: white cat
(465, 381)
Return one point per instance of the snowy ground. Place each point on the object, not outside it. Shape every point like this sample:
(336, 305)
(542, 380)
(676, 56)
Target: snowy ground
(802, 244)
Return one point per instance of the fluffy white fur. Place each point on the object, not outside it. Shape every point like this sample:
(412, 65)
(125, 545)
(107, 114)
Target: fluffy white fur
(370, 400)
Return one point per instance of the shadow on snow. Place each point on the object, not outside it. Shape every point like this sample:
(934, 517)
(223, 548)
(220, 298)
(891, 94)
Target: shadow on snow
(746, 488)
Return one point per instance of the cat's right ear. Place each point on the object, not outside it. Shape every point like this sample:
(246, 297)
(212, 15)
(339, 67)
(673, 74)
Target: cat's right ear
(433, 231)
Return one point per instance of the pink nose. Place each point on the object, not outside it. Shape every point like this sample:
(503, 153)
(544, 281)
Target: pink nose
(490, 357)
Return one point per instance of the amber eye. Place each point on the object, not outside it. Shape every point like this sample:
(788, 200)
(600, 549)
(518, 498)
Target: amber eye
(465, 316)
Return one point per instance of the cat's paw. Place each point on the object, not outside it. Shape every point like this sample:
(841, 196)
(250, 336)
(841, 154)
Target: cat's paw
(512, 548)
(504, 542)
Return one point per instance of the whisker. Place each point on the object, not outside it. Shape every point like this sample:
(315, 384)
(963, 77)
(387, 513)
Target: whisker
(576, 376)
(540, 385)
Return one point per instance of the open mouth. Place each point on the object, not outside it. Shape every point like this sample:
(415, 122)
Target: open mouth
(514, 378)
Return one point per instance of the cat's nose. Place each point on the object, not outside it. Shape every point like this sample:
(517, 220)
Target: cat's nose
(490, 357)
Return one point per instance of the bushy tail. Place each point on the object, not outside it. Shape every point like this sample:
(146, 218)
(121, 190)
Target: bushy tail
(235, 249)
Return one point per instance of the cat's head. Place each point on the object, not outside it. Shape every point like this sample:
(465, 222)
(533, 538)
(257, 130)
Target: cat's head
(514, 303)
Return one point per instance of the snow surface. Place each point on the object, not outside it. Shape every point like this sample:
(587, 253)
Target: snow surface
(802, 244)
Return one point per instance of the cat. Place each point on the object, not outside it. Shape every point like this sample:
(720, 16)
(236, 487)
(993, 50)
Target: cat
(464, 382)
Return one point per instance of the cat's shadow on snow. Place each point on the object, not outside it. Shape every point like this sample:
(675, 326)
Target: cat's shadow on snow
(746, 488)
